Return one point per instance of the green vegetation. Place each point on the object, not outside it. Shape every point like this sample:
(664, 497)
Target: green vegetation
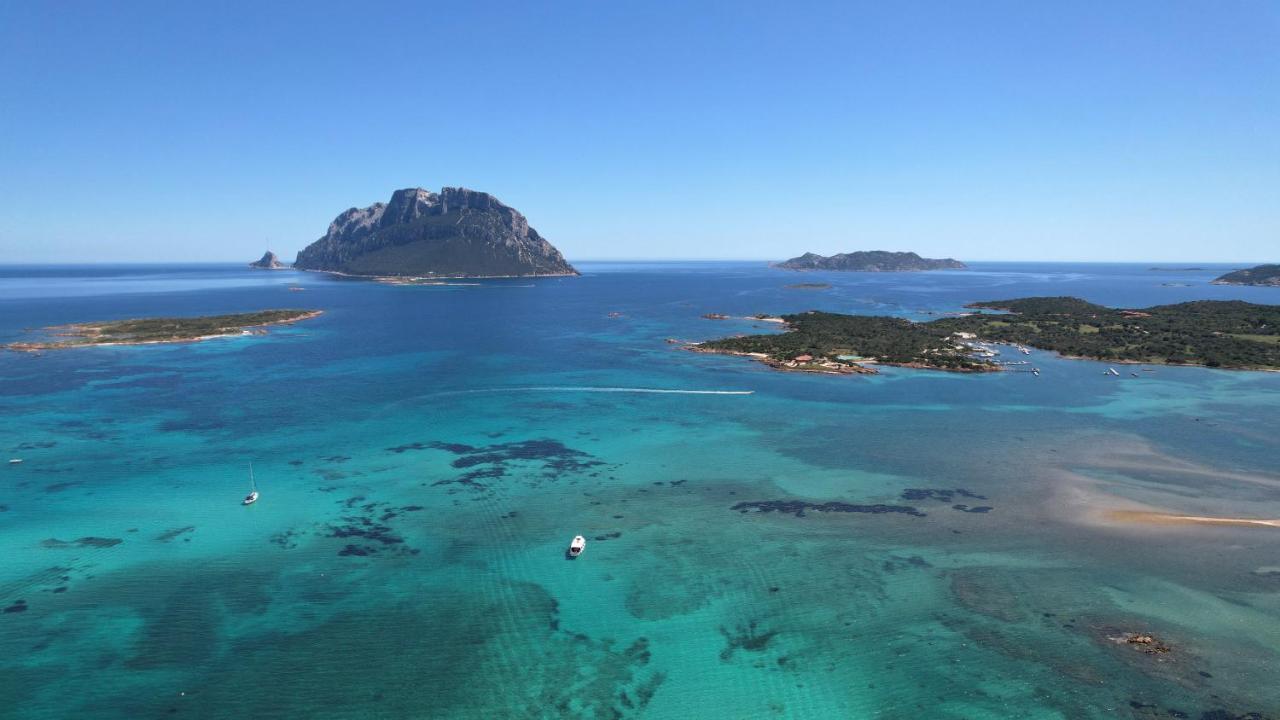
(1229, 334)
(1205, 332)
(1268, 275)
(826, 336)
(160, 330)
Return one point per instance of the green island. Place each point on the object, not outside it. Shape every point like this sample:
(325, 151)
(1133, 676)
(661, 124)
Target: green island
(147, 331)
(1212, 333)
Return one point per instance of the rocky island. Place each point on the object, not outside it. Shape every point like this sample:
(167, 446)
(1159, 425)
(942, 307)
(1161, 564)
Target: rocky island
(1266, 275)
(151, 331)
(870, 261)
(1212, 333)
(423, 234)
(269, 261)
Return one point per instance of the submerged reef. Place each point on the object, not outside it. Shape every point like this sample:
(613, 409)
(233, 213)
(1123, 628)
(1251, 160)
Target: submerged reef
(548, 459)
(95, 542)
(368, 522)
(800, 507)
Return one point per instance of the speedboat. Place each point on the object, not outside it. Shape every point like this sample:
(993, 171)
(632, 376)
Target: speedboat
(250, 499)
(15, 461)
(577, 546)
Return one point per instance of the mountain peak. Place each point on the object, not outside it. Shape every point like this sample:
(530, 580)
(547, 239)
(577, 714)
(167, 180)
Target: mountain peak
(456, 232)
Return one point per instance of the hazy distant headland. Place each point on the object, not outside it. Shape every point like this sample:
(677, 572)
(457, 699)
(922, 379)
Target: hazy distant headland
(870, 261)
(419, 233)
(1266, 275)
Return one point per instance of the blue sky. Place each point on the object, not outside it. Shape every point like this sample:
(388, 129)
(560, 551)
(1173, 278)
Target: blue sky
(1090, 130)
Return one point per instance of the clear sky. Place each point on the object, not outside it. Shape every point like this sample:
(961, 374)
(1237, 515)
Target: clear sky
(1084, 130)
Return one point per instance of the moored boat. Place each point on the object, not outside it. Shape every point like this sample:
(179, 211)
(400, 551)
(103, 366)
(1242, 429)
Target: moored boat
(577, 546)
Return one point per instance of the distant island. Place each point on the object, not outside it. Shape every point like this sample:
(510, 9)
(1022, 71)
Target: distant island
(149, 331)
(269, 261)
(870, 261)
(1213, 333)
(419, 233)
(1267, 275)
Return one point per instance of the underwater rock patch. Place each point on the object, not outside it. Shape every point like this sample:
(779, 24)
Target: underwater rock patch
(550, 457)
(17, 607)
(940, 494)
(285, 539)
(368, 524)
(800, 507)
(170, 535)
(748, 638)
(895, 563)
(96, 542)
(978, 509)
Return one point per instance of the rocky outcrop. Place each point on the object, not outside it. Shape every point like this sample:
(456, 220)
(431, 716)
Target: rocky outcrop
(1268, 275)
(269, 261)
(870, 261)
(419, 233)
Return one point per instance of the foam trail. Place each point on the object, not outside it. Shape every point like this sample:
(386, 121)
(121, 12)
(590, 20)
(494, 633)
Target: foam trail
(572, 388)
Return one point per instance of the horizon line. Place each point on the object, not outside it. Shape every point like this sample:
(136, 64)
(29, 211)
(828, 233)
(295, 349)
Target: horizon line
(659, 259)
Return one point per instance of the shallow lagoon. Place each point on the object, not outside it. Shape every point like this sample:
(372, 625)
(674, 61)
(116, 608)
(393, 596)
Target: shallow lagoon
(425, 454)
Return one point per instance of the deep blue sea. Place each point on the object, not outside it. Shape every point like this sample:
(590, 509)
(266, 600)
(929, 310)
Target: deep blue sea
(425, 454)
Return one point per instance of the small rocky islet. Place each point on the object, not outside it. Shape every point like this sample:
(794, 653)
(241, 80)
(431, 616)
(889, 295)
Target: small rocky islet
(269, 261)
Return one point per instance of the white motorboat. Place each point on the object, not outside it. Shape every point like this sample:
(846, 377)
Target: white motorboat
(252, 497)
(577, 546)
(15, 461)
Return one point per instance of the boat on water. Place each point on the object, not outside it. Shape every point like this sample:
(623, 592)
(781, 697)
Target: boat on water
(577, 546)
(1112, 372)
(252, 497)
(15, 461)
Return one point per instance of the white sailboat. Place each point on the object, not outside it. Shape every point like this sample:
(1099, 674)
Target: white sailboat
(252, 497)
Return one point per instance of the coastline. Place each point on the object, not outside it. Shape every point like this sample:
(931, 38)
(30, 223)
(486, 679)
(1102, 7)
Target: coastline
(859, 368)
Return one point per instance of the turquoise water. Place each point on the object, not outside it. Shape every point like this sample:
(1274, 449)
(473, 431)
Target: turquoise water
(426, 453)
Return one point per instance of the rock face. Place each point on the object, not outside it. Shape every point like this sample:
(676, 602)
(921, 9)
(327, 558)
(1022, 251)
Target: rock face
(870, 261)
(419, 233)
(269, 261)
(1260, 275)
